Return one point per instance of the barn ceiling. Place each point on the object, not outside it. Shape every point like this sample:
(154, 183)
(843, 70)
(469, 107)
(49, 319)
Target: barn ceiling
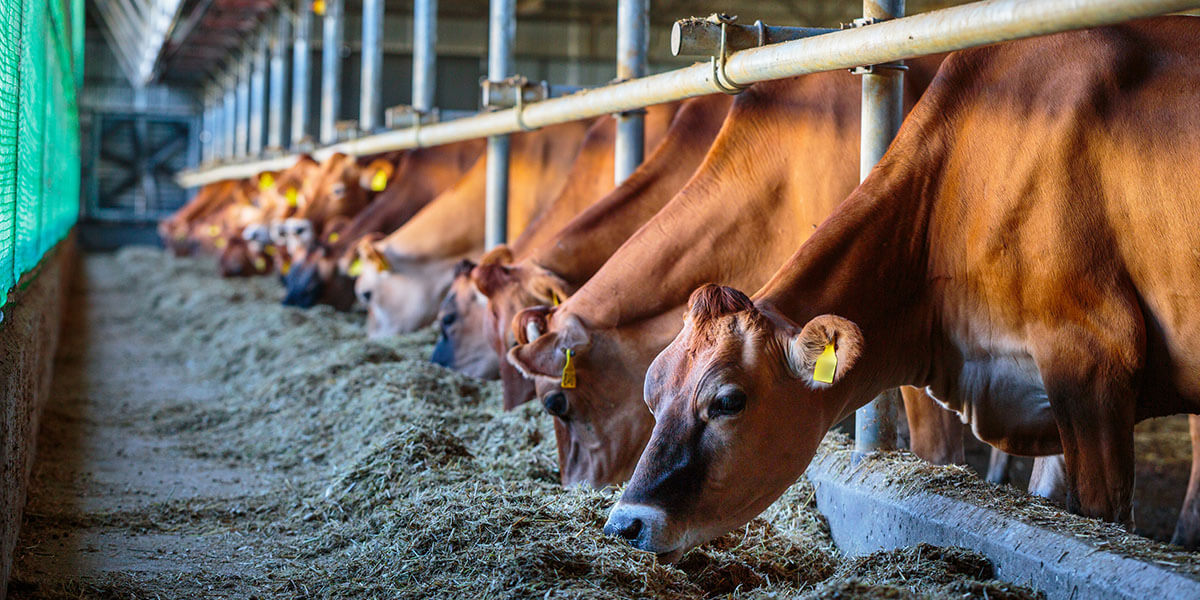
(203, 35)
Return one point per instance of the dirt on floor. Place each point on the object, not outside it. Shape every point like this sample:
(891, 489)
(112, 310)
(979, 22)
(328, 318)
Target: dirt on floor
(203, 441)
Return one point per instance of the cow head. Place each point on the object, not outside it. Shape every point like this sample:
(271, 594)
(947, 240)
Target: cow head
(239, 259)
(461, 343)
(584, 381)
(315, 280)
(741, 399)
(401, 294)
(298, 235)
(509, 290)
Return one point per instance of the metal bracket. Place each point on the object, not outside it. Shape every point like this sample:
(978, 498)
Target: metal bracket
(404, 115)
(720, 79)
(870, 69)
(346, 130)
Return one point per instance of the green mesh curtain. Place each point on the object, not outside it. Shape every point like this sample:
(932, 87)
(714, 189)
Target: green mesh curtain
(40, 67)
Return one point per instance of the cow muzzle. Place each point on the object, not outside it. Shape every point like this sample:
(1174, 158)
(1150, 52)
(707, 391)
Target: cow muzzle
(645, 528)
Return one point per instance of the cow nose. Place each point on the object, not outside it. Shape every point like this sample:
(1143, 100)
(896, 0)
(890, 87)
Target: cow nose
(638, 524)
(627, 530)
(366, 297)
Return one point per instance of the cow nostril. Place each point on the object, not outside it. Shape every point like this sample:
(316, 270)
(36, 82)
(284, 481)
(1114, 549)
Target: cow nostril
(555, 404)
(631, 530)
(366, 297)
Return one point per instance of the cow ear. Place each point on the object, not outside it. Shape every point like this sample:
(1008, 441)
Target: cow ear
(489, 278)
(573, 334)
(824, 350)
(500, 255)
(540, 357)
(530, 324)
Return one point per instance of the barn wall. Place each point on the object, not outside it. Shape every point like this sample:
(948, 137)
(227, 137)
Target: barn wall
(29, 336)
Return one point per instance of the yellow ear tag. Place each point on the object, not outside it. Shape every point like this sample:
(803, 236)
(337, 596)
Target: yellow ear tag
(214, 231)
(266, 181)
(826, 365)
(378, 181)
(260, 263)
(318, 7)
(355, 268)
(568, 373)
(554, 299)
(220, 243)
(284, 267)
(333, 237)
(291, 196)
(270, 250)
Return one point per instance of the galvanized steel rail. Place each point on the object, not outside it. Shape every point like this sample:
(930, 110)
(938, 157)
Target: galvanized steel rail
(945, 30)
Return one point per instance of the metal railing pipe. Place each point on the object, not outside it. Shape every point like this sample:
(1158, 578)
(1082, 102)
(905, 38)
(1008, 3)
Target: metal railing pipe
(944, 30)
(424, 78)
(258, 94)
(331, 70)
(633, 17)
(882, 112)
(502, 29)
(301, 73)
(370, 113)
(279, 43)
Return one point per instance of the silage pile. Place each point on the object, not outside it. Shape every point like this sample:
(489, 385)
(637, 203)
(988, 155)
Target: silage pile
(396, 478)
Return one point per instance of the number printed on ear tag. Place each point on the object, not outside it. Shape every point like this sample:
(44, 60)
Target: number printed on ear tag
(826, 365)
(568, 373)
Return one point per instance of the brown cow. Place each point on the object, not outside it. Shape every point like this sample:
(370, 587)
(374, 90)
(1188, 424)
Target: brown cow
(786, 155)
(463, 344)
(1024, 251)
(555, 269)
(411, 183)
(176, 229)
(421, 255)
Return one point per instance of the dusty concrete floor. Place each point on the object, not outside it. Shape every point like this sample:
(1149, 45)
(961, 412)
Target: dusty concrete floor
(98, 461)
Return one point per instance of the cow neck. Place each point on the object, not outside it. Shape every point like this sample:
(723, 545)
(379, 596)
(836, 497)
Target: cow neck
(578, 250)
(744, 210)
(867, 263)
(450, 225)
(589, 178)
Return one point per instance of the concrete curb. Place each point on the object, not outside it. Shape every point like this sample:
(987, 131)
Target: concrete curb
(868, 511)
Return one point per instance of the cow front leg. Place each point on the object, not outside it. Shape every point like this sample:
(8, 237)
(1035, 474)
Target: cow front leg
(1187, 528)
(1095, 415)
(935, 433)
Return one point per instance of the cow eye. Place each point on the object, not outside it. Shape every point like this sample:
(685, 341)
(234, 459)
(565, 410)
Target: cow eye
(339, 189)
(728, 403)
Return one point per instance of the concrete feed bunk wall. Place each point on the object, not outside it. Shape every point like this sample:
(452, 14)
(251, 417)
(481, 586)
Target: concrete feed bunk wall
(29, 337)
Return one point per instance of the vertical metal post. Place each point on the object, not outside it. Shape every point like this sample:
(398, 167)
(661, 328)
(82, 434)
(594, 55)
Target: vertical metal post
(424, 82)
(229, 114)
(369, 112)
(206, 130)
(242, 141)
(633, 17)
(258, 94)
(301, 74)
(279, 41)
(502, 28)
(882, 112)
(331, 70)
